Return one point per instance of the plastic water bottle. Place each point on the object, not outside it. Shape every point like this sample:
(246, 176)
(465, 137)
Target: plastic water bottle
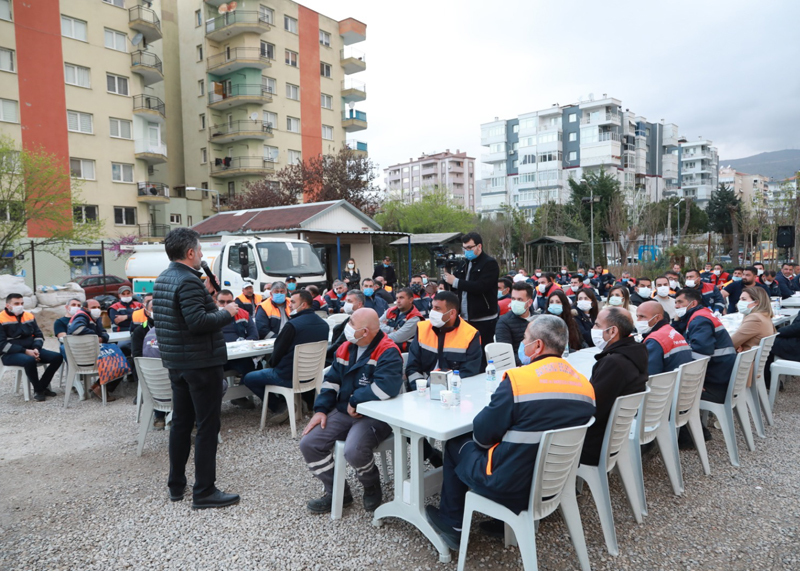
(491, 377)
(455, 386)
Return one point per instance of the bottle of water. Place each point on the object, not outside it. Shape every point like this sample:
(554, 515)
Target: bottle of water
(455, 386)
(491, 377)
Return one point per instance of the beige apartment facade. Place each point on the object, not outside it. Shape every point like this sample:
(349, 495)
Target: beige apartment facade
(452, 171)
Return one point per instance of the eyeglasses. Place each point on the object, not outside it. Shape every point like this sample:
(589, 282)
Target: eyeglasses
(468, 248)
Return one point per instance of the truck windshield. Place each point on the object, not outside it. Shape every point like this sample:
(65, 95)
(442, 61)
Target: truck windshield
(288, 259)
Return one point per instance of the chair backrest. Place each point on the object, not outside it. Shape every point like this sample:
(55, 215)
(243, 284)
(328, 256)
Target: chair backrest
(322, 313)
(556, 465)
(618, 428)
(405, 362)
(688, 390)
(82, 352)
(154, 378)
(336, 319)
(656, 405)
(742, 369)
(764, 349)
(309, 361)
(503, 356)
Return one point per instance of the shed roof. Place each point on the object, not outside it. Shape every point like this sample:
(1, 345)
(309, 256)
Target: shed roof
(565, 240)
(428, 239)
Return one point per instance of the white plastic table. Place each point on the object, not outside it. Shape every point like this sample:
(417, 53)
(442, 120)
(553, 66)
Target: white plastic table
(733, 321)
(416, 418)
(793, 301)
(584, 360)
(118, 336)
(243, 350)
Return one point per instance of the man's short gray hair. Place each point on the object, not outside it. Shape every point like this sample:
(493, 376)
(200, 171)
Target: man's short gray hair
(358, 294)
(278, 285)
(551, 330)
(337, 283)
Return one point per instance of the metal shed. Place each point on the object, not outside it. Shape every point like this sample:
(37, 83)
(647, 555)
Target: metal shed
(551, 252)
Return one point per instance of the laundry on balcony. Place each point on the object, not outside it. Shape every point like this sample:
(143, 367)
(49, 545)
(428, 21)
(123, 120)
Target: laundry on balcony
(226, 161)
(217, 162)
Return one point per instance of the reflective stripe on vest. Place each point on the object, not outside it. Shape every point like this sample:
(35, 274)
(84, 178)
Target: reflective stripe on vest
(257, 299)
(669, 340)
(272, 310)
(455, 341)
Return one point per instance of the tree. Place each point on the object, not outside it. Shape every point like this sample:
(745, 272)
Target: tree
(434, 212)
(34, 202)
(724, 210)
(506, 234)
(601, 185)
(263, 194)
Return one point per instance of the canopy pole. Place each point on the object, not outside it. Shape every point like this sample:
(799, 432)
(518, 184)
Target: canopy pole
(339, 256)
(409, 260)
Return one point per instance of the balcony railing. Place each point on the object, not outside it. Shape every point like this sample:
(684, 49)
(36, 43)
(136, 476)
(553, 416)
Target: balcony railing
(354, 114)
(599, 118)
(241, 126)
(353, 84)
(153, 230)
(356, 145)
(237, 54)
(236, 17)
(148, 59)
(348, 53)
(240, 90)
(144, 14)
(235, 163)
(149, 102)
(153, 189)
(150, 147)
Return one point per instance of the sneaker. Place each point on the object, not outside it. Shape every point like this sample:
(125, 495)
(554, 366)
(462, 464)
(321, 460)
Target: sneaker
(279, 417)
(39, 397)
(450, 536)
(435, 458)
(685, 441)
(373, 497)
(48, 393)
(323, 505)
(244, 403)
(159, 423)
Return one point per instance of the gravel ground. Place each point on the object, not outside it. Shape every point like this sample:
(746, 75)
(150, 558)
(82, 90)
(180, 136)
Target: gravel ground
(74, 495)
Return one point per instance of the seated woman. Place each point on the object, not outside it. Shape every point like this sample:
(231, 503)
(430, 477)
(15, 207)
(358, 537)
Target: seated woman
(754, 304)
(619, 296)
(558, 305)
(587, 309)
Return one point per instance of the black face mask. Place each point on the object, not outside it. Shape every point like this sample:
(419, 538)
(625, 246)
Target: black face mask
(416, 288)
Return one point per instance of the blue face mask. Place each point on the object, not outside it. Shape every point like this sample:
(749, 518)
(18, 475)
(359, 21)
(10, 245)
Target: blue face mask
(368, 291)
(499, 294)
(737, 278)
(555, 309)
(385, 265)
(340, 295)
(470, 255)
(291, 286)
(523, 358)
(278, 298)
(624, 280)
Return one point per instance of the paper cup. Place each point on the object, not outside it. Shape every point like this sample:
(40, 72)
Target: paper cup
(447, 399)
(422, 386)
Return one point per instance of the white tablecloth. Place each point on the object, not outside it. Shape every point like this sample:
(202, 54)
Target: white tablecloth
(118, 336)
(242, 349)
(584, 360)
(793, 301)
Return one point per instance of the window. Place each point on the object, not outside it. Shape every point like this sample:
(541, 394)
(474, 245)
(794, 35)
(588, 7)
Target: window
(202, 120)
(231, 189)
(294, 157)
(327, 101)
(290, 24)
(271, 119)
(116, 40)
(9, 111)
(324, 69)
(203, 156)
(77, 75)
(201, 87)
(117, 84)
(324, 38)
(573, 156)
(573, 117)
(5, 10)
(198, 18)
(269, 84)
(72, 28)
(79, 122)
(120, 128)
(174, 218)
(292, 92)
(292, 125)
(6, 59)
(84, 214)
(267, 50)
(117, 3)
(515, 128)
(573, 137)
(124, 216)
(200, 53)
(327, 132)
(81, 168)
(270, 153)
(189, 221)
(121, 172)
(497, 148)
(267, 14)
(291, 58)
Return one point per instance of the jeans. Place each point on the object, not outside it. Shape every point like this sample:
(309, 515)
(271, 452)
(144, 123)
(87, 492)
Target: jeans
(714, 393)
(196, 399)
(257, 380)
(51, 358)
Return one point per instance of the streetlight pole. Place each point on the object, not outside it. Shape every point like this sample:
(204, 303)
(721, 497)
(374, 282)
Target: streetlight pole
(591, 215)
(207, 190)
(678, 206)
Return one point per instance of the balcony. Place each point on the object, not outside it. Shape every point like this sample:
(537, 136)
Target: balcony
(352, 60)
(353, 91)
(230, 167)
(358, 148)
(152, 152)
(145, 21)
(600, 119)
(234, 59)
(154, 231)
(498, 157)
(240, 130)
(354, 121)
(669, 166)
(696, 155)
(550, 126)
(352, 31)
(239, 94)
(148, 65)
(230, 24)
(153, 192)
(149, 107)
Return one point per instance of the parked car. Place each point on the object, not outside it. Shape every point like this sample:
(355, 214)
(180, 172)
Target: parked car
(101, 285)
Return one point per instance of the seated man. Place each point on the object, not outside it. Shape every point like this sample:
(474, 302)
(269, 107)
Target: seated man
(138, 315)
(718, 276)
(627, 281)
(666, 348)
(711, 296)
(335, 296)
(512, 326)
(664, 296)
(707, 273)
(564, 278)
(87, 321)
(399, 323)
(504, 295)
(574, 288)
(382, 292)
(242, 327)
(643, 293)
(497, 459)
(421, 299)
(61, 324)
(621, 370)
(121, 312)
(21, 343)
(547, 285)
(273, 313)
(249, 300)
(305, 326)
(318, 302)
(368, 367)
(602, 282)
(372, 301)
(353, 302)
(733, 291)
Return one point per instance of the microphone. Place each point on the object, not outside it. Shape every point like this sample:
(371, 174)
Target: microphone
(211, 278)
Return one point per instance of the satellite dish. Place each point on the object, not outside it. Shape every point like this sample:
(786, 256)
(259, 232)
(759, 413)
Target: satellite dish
(254, 115)
(591, 97)
(351, 105)
(137, 39)
(222, 8)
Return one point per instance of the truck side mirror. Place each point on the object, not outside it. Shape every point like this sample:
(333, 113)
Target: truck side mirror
(244, 261)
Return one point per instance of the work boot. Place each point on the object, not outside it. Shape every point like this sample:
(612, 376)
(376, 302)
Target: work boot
(323, 505)
(373, 497)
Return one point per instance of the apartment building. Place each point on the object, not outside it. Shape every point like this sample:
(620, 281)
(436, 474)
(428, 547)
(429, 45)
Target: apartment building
(452, 171)
(753, 189)
(699, 170)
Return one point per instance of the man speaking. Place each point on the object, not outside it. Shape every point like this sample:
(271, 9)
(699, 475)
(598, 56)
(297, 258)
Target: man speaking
(189, 332)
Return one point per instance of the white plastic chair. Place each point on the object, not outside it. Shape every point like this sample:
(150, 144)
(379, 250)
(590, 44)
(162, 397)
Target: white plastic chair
(503, 356)
(307, 373)
(734, 400)
(614, 454)
(757, 392)
(156, 393)
(340, 471)
(780, 367)
(654, 414)
(20, 379)
(82, 352)
(336, 318)
(553, 487)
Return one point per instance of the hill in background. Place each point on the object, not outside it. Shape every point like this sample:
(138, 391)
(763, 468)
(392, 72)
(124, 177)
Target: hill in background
(777, 164)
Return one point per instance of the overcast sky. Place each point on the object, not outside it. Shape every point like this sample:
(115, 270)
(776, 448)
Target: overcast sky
(725, 70)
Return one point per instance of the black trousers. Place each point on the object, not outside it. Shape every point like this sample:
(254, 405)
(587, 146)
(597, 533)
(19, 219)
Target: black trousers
(196, 399)
(486, 329)
(30, 364)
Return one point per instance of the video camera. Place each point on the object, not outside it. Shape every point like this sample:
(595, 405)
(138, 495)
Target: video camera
(445, 259)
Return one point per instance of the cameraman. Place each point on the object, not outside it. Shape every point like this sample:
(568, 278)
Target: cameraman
(475, 281)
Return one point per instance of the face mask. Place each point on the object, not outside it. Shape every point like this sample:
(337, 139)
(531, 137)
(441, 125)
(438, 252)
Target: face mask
(350, 334)
(126, 299)
(585, 305)
(662, 291)
(767, 283)
(542, 288)
(499, 294)
(291, 286)
(437, 318)
(340, 294)
(743, 307)
(737, 278)
(96, 312)
(279, 298)
(538, 274)
(575, 288)
(555, 309)
(673, 284)
(680, 311)
(416, 288)
(645, 292)
(590, 274)
(760, 272)
(351, 266)
(563, 272)
(615, 301)
(385, 265)
(368, 291)
(266, 295)
(690, 283)
(424, 281)
(73, 310)
(580, 275)
(17, 310)
(587, 282)
(717, 272)
(597, 338)
(624, 280)
(470, 254)
(518, 307)
(642, 327)
(348, 307)
(523, 358)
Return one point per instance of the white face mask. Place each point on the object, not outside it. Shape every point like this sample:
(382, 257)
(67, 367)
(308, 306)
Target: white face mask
(680, 311)
(17, 309)
(717, 272)
(73, 310)
(597, 338)
(96, 312)
(673, 284)
(744, 307)
(348, 307)
(615, 301)
(563, 272)
(126, 299)
(645, 292)
(575, 288)
(690, 283)
(437, 318)
(351, 266)
(542, 288)
(643, 327)
(584, 305)
(518, 307)
(662, 291)
(350, 334)
(760, 272)
(538, 274)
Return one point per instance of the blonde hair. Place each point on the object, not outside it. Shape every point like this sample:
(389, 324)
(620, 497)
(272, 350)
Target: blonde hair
(762, 300)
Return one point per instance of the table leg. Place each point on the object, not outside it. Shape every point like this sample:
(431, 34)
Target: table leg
(412, 511)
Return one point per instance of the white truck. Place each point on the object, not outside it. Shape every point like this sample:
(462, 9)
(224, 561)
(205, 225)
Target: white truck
(236, 260)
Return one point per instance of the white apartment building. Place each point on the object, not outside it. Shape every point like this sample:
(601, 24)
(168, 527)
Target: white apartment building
(751, 188)
(452, 171)
(699, 169)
